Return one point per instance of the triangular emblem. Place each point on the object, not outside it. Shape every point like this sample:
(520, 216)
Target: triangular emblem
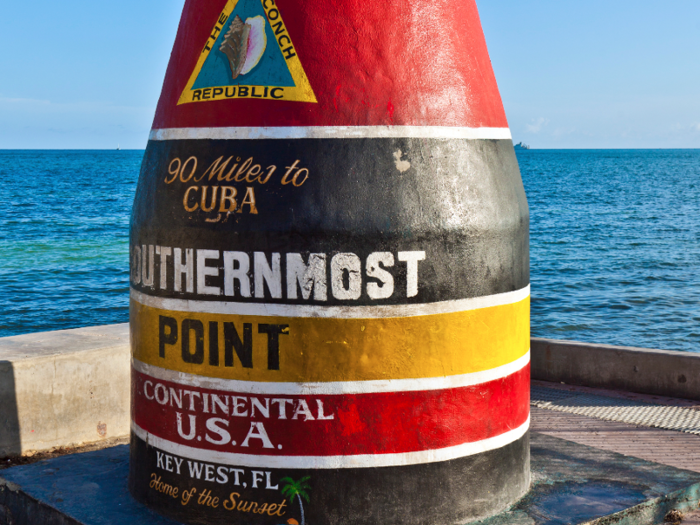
(249, 54)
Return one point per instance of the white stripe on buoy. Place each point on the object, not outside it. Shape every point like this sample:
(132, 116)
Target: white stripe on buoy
(331, 312)
(334, 387)
(332, 132)
(333, 462)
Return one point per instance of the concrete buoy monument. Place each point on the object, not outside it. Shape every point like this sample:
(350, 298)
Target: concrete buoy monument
(329, 271)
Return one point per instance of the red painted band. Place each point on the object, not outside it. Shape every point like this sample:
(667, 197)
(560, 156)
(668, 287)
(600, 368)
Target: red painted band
(330, 425)
(417, 63)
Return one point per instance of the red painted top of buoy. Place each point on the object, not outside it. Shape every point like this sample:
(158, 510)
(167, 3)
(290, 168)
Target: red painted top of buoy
(369, 63)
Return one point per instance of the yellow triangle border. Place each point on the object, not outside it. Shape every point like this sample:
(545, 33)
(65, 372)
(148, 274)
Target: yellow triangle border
(301, 92)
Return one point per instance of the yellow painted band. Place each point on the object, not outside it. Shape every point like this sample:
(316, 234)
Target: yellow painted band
(327, 349)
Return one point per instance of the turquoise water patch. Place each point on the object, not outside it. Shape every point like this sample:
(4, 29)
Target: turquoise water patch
(272, 69)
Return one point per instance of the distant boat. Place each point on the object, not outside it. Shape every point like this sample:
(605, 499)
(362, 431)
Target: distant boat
(520, 145)
(118, 148)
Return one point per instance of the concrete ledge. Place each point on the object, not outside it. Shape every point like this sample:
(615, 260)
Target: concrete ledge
(641, 370)
(63, 388)
(18, 507)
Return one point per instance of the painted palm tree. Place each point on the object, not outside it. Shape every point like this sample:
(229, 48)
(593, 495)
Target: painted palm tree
(299, 489)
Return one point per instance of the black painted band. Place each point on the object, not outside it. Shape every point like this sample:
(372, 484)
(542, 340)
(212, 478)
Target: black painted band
(454, 491)
(459, 201)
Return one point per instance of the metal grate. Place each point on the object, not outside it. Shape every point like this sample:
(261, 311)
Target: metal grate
(613, 409)
(540, 394)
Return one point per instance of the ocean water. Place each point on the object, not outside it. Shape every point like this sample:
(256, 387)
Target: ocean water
(615, 242)
(615, 246)
(64, 238)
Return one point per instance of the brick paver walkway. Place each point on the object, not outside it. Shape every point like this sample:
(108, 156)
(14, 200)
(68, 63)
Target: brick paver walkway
(668, 447)
(676, 449)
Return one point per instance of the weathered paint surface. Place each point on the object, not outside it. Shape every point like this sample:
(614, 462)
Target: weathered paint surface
(330, 272)
(418, 63)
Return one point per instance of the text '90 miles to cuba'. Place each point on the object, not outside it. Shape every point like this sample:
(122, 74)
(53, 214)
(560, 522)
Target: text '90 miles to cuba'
(207, 190)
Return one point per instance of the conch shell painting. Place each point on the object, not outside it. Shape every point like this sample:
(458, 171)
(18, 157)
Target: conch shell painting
(244, 44)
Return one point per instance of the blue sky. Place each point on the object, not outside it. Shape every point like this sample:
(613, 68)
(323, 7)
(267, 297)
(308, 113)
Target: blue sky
(595, 74)
(598, 74)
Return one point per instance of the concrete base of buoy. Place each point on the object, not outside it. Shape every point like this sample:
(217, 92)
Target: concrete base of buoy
(90, 489)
